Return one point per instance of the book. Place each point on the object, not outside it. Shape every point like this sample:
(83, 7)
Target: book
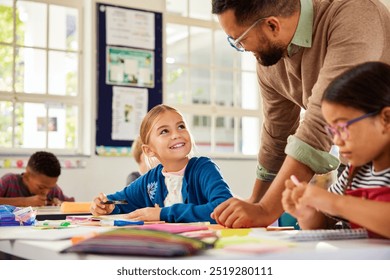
(131, 241)
(327, 234)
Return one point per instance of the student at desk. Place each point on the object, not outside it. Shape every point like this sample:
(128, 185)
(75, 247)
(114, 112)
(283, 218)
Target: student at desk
(180, 189)
(356, 107)
(37, 186)
(144, 165)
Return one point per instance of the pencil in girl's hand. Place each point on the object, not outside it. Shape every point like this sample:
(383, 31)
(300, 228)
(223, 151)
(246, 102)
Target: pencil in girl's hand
(114, 202)
(295, 180)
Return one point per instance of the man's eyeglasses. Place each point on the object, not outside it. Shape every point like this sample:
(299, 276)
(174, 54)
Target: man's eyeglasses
(236, 43)
(341, 129)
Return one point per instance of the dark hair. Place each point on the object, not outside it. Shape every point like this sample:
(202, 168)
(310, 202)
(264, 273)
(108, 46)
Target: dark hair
(365, 87)
(45, 163)
(251, 10)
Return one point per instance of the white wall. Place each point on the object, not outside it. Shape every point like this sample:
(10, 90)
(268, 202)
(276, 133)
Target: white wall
(108, 174)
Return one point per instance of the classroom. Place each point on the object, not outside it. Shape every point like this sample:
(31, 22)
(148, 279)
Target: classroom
(78, 76)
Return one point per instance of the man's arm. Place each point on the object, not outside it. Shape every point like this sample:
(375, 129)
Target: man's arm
(259, 189)
(236, 213)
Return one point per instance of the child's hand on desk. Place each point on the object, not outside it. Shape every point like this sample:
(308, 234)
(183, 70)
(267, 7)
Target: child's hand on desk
(35, 200)
(98, 208)
(146, 214)
(54, 202)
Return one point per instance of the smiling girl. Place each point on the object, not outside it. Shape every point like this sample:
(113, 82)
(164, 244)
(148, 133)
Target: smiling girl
(180, 189)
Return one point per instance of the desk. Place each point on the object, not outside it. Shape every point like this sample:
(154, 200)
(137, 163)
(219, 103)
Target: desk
(363, 249)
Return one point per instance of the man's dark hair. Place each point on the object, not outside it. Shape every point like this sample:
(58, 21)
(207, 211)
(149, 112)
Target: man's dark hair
(45, 163)
(247, 11)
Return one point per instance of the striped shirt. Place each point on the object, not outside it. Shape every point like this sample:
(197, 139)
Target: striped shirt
(11, 185)
(365, 177)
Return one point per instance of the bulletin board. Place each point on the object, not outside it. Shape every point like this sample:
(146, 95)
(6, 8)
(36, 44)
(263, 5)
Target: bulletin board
(129, 74)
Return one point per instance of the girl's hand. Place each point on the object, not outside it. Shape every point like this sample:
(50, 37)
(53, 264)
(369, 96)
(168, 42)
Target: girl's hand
(292, 200)
(146, 214)
(98, 208)
(289, 205)
(319, 199)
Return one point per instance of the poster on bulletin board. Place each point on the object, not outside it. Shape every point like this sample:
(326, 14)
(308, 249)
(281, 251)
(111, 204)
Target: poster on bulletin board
(132, 67)
(129, 74)
(129, 106)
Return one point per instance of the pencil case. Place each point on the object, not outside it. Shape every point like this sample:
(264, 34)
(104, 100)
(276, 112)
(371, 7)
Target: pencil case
(75, 207)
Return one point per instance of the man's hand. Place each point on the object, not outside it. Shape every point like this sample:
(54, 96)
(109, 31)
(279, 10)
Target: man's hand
(236, 213)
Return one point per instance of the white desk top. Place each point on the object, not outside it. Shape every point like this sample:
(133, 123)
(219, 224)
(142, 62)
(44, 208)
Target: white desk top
(50, 248)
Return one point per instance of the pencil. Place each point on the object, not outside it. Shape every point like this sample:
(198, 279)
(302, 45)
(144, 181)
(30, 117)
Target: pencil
(114, 202)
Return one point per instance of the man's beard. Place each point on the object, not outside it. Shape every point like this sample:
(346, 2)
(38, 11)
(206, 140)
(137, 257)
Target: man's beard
(270, 57)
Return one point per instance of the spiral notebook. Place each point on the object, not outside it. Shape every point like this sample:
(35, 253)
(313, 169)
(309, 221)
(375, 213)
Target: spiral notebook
(328, 234)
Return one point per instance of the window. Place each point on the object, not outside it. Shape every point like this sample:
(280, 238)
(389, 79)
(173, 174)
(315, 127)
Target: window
(40, 62)
(214, 86)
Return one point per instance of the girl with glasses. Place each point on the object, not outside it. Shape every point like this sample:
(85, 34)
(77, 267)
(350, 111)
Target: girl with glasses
(356, 107)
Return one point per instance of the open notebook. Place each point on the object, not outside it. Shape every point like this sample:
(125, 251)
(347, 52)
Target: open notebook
(326, 234)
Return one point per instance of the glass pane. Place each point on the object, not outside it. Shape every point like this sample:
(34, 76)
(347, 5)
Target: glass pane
(6, 111)
(6, 65)
(30, 68)
(249, 94)
(6, 21)
(177, 43)
(200, 86)
(63, 73)
(19, 125)
(63, 28)
(224, 53)
(177, 7)
(224, 86)
(177, 90)
(224, 134)
(32, 23)
(72, 130)
(200, 127)
(35, 124)
(62, 126)
(249, 135)
(248, 61)
(200, 45)
(200, 9)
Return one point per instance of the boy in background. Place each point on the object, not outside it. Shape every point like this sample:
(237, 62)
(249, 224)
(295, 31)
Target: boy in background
(37, 186)
(139, 157)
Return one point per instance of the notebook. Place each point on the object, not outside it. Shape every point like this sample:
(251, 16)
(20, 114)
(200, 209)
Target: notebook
(129, 241)
(327, 234)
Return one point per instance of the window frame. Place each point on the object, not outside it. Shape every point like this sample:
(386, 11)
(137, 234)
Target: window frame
(212, 110)
(46, 98)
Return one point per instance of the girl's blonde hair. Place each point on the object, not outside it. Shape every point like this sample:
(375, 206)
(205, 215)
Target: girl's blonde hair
(150, 118)
(136, 149)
